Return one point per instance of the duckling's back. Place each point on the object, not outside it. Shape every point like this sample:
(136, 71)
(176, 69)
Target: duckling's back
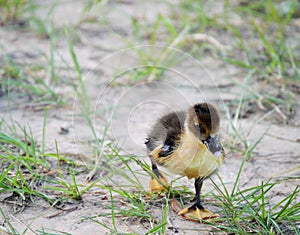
(166, 132)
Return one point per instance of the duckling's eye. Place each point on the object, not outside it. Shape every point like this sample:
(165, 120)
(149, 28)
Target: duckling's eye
(199, 127)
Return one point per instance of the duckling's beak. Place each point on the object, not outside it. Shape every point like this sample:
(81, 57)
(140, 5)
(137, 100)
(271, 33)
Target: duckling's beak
(213, 145)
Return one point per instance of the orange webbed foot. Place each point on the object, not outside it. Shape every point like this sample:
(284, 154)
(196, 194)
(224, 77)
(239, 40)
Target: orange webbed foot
(195, 213)
(158, 186)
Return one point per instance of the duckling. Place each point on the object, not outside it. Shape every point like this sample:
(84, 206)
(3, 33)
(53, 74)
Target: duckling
(186, 144)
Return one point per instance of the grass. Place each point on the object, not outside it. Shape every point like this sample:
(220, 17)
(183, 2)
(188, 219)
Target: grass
(277, 64)
(38, 81)
(249, 211)
(21, 166)
(24, 80)
(155, 59)
(263, 52)
(11, 9)
(272, 65)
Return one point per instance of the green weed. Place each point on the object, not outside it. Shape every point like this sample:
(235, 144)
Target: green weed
(155, 60)
(250, 211)
(23, 167)
(24, 81)
(11, 10)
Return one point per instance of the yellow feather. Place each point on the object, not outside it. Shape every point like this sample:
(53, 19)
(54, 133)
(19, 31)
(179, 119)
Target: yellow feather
(191, 158)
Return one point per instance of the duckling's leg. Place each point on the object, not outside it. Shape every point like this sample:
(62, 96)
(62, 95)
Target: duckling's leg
(154, 184)
(196, 212)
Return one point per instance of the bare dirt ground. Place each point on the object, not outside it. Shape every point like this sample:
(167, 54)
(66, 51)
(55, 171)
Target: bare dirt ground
(103, 52)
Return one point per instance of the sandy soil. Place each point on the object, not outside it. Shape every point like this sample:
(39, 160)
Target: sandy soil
(103, 52)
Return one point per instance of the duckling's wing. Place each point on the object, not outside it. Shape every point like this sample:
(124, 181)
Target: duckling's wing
(166, 133)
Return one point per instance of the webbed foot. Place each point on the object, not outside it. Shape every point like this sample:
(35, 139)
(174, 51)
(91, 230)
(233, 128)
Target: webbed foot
(158, 186)
(195, 212)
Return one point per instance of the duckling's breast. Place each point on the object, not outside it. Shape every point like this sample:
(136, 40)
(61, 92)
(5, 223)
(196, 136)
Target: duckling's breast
(191, 159)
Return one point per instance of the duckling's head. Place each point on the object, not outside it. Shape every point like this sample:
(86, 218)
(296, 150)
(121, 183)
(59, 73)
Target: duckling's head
(203, 120)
